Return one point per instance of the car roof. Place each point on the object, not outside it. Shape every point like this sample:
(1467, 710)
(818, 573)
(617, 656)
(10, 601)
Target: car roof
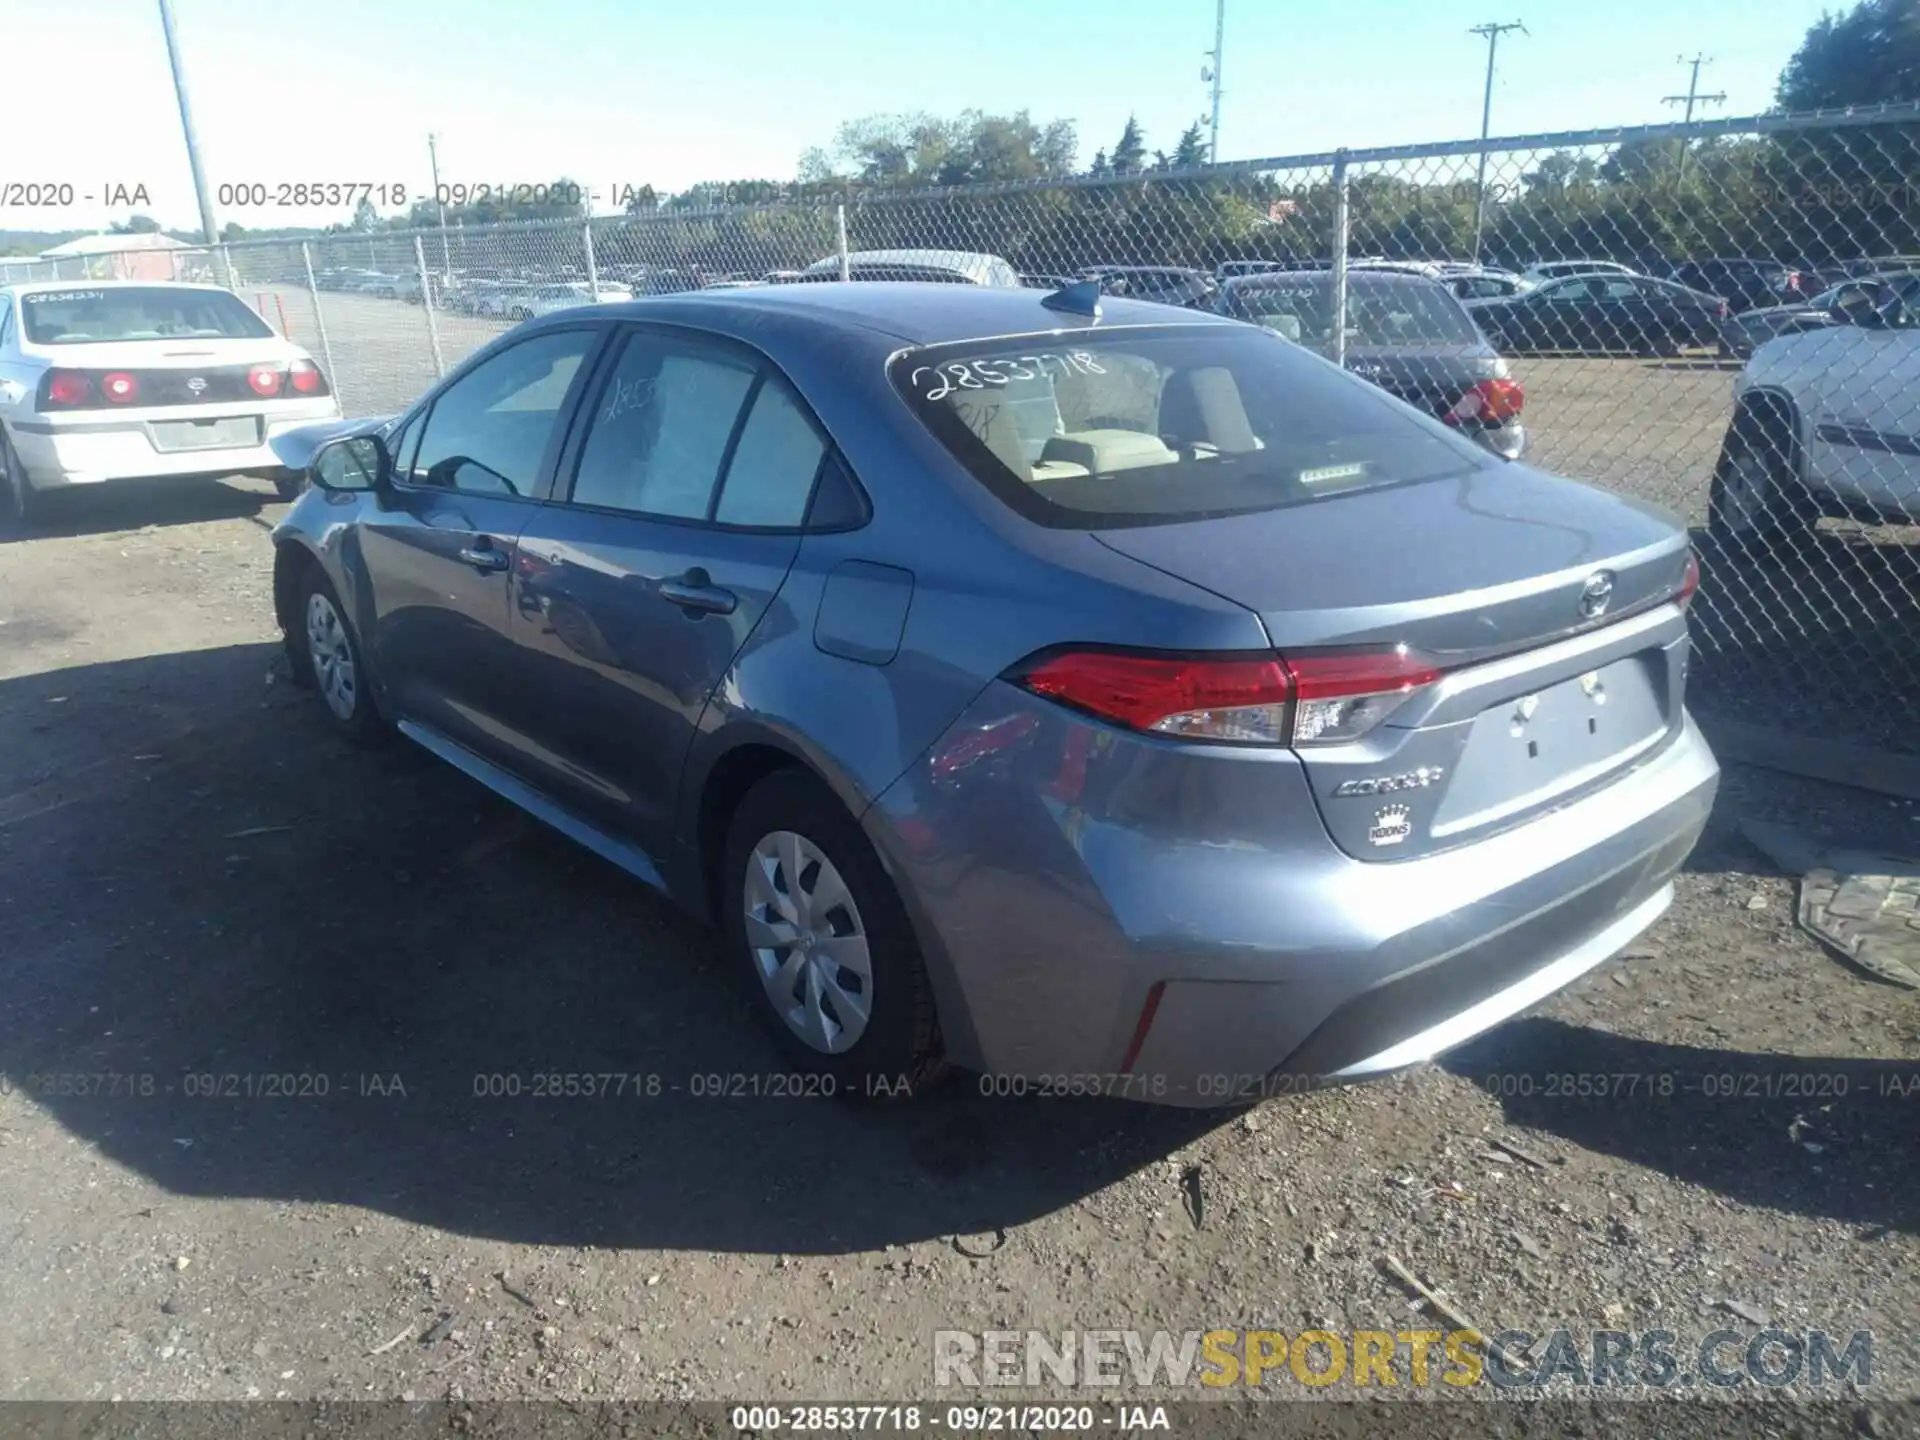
(917, 313)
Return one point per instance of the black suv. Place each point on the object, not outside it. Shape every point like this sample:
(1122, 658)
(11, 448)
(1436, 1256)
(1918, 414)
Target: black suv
(1748, 284)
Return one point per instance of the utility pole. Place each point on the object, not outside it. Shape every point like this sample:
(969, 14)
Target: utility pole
(1493, 30)
(433, 160)
(1211, 72)
(210, 232)
(1693, 97)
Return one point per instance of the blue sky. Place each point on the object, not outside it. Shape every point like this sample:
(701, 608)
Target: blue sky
(617, 92)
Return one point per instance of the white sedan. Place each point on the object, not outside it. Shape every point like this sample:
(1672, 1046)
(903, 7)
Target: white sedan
(110, 380)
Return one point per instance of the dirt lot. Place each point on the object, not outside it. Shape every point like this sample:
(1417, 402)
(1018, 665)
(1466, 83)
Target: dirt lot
(200, 882)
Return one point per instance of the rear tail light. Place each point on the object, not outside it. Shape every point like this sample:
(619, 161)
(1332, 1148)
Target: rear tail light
(306, 379)
(64, 389)
(1490, 402)
(1312, 699)
(1196, 698)
(1341, 696)
(264, 380)
(1689, 582)
(120, 387)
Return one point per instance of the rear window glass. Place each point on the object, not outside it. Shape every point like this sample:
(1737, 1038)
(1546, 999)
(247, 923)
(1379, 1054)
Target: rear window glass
(1159, 425)
(137, 312)
(1382, 315)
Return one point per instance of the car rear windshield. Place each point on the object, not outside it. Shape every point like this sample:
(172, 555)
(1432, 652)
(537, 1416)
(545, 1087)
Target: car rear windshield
(137, 312)
(1160, 424)
(1378, 314)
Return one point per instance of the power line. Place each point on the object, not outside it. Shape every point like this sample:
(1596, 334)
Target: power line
(1493, 30)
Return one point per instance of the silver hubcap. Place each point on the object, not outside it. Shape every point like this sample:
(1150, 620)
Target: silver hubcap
(333, 668)
(808, 941)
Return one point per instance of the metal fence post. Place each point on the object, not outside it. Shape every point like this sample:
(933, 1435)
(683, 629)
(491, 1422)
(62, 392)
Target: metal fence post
(1342, 224)
(593, 273)
(426, 304)
(840, 228)
(320, 323)
(226, 268)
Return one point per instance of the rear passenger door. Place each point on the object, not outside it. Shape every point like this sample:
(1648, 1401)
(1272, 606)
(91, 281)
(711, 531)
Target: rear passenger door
(676, 515)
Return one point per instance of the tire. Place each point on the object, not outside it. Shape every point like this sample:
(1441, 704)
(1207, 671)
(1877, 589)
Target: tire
(20, 504)
(791, 820)
(1756, 505)
(327, 656)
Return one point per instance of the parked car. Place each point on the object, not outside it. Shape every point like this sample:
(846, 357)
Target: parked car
(1747, 284)
(1047, 282)
(1542, 271)
(1406, 334)
(1232, 269)
(1826, 422)
(1162, 284)
(1602, 314)
(1885, 264)
(1144, 698)
(943, 267)
(112, 380)
(1477, 283)
(537, 300)
(1841, 304)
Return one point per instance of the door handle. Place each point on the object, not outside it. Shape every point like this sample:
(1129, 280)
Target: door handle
(695, 593)
(482, 556)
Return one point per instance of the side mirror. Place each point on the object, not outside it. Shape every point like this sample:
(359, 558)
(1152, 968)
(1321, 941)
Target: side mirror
(356, 464)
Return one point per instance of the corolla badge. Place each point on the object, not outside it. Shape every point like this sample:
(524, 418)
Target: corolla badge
(1391, 825)
(1387, 784)
(1596, 595)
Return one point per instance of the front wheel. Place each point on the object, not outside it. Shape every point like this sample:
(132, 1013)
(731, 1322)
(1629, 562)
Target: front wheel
(331, 659)
(829, 955)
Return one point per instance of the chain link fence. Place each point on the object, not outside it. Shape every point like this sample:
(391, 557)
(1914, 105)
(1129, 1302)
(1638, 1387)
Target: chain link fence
(1623, 278)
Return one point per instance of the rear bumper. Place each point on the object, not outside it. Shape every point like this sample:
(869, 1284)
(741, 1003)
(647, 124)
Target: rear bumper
(87, 450)
(1059, 889)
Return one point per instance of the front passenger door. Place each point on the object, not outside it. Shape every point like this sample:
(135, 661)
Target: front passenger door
(468, 472)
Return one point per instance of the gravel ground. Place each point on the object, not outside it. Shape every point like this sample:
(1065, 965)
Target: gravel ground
(200, 881)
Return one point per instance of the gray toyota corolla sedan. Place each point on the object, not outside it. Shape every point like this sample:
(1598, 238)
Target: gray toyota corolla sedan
(1095, 696)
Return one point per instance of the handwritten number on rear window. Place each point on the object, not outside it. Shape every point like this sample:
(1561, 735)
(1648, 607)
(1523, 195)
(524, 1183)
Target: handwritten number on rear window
(936, 382)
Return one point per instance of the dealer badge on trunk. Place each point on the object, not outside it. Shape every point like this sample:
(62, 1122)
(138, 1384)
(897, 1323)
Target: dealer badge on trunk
(1391, 825)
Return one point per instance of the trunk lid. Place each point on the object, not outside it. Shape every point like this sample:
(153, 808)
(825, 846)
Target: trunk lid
(1550, 687)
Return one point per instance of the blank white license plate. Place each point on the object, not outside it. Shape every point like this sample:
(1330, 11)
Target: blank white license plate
(235, 432)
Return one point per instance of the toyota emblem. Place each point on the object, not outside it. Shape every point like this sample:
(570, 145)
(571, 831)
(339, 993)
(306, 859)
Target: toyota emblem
(1596, 595)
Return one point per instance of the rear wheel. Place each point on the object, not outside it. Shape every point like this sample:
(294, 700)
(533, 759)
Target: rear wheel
(830, 958)
(23, 504)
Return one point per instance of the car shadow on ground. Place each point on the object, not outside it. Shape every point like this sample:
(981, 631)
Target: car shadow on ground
(244, 959)
(1811, 1135)
(137, 504)
(1819, 633)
